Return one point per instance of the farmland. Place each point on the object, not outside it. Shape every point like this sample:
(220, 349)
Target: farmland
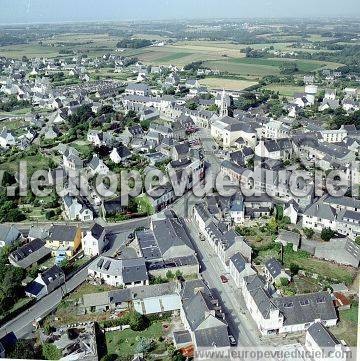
(228, 84)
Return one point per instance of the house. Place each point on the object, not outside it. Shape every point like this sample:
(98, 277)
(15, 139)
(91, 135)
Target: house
(112, 207)
(171, 238)
(148, 299)
(72, 160)
(120, 154)
(94, 240)
(8, 235)
(192, 83)
(291, 210)
(29, 254)
(180, 151)
(202, 316)
(301, 100)
(330, 94)
(329, 104)
(63, 238)
(319, 341)
(350, 105)
(139, 89)
(301, 311)
(52, 133)
(119, 272)
(160, 196)
(77, 208)
(239, 268)
(38, 232)
(45, 282)
(340, 250)
(337, 213)
(275, 129)
(97, 166)
(280, 149)
(6, 139)
(224, 242)
(261, 306)
(149, 114)
(286, 314)
(274, 272)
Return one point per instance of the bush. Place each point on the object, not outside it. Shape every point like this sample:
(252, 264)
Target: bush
(144, 345)
(294, 268)
(51, 352)
(137, 321)
(327, 234)
(309, 233)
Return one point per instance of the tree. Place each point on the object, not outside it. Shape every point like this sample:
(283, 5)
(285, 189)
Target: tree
(309, 233)
(51, 352)
(169, 275)
(327, 234)
(23, 349)
(144, 345)
(272, 225)
(213, 108)
(294, 268)
(137, 321)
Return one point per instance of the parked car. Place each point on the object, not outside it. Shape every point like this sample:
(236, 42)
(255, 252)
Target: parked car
(232, 340)
(224, 279)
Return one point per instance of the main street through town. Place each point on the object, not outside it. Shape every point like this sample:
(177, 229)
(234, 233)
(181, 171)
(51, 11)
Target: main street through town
(240, 322)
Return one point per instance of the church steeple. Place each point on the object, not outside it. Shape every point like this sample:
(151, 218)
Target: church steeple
(224, 106)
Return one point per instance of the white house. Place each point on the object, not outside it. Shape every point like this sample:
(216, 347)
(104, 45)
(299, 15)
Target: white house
(119, 272)
(276, 129)
(239, 268)
(93, 240)
(76, 209)
(120, 154)
(6, 139)
(97, 166)
(320, 341)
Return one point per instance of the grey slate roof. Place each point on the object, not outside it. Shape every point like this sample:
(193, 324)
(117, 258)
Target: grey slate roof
(322, 336)
(307, 308)
(62, 233)
(239, 261)
(172, 238)
(274, 267)
(30, 253)
(96, 230)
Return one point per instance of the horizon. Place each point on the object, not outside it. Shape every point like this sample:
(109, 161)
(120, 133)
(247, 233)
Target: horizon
(33, 12)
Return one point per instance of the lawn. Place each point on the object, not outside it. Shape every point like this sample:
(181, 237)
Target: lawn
(228, 84)
(123, 343)
(347, 328)
(34, 162)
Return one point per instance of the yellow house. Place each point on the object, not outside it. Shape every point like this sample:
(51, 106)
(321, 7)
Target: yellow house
(64, 238)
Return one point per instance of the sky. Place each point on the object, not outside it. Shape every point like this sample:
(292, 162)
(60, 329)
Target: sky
(49, 11)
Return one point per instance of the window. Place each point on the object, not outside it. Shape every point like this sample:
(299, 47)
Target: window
(304, 302)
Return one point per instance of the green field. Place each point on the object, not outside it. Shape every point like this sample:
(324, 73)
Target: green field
(347, 328)
(285, 90)
(228, 84)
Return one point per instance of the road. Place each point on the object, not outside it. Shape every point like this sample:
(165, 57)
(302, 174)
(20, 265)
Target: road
(23, 323)
(240, 322)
